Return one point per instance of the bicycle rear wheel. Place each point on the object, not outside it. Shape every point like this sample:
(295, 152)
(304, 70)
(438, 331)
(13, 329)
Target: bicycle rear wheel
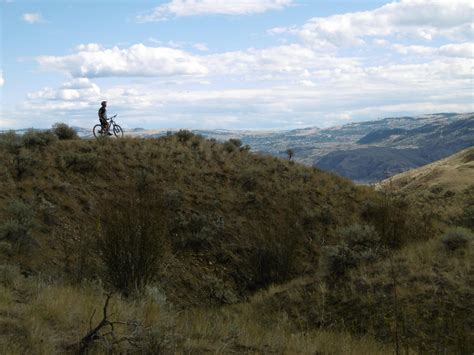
(118, 132)
(97, 131)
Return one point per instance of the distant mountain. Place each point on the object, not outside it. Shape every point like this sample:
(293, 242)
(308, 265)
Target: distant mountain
(371, 163)
(380, 135)
(392, 151)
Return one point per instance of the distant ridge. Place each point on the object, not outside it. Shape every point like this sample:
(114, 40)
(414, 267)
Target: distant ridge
(365, 151)
(389, 151)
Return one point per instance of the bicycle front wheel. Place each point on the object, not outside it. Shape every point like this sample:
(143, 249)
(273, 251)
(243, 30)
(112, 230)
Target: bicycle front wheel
(97, 131)
(118, 132)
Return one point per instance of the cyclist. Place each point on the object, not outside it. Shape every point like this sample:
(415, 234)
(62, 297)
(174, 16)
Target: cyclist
(103, 118)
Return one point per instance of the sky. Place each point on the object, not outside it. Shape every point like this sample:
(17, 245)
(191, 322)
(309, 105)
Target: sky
(233, 64)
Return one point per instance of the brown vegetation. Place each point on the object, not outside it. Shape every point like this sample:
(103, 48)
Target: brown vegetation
(210, 248)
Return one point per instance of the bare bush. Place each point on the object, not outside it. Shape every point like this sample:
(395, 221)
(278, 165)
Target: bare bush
(131, 240)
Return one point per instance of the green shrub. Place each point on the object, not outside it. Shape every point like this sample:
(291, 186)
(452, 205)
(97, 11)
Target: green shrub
(63, 131)
(192, 232)
(9, 275)
(184, 135)
(80, 162)
(363, 242)
(220, 290)
(272, 257)
(229, 147)
(10, 141)
(335, 262)
(173, 199)
(245, 148)
(5, 248)
(24, 163)
(249, 178)
(235, 142)
(397, 221)
(467, 218)
(17, 228)
(359, 244)
(456, 238)
(34, 138)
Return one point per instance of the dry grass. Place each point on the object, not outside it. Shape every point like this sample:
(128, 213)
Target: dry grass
(42, 318)
(420, 296)
(229, 215)
(453, 173)
(229, 192)
(445, 187)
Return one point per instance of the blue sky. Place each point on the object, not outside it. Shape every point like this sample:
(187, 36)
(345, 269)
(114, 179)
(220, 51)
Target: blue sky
(243, 64)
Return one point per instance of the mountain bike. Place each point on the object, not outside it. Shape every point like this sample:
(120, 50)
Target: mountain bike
(114, 127)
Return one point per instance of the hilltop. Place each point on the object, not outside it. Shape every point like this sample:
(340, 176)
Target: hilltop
(366, 152)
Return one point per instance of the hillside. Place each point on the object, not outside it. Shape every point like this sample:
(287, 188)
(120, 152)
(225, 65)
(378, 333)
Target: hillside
(212, 199)
(395, 299)
(371, 164)
(208, 247)
(445, 186)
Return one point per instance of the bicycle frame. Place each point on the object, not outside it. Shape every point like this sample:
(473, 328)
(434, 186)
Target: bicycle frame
(111, 122)
(116, 129)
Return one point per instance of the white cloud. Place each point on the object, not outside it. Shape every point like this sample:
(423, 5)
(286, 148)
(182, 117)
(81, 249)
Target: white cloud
(32, 18)
(76, 91)
(422, 19)
(89, 47)
(201, 47)
(286, 63)
(321, 97)
(465, 50)
(288, 85)
(460, 50)
(2, 80)
(180, 8)
(137, 60)
(307, 83)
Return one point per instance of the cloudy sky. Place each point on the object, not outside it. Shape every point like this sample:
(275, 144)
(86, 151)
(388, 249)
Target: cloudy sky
(235, 64)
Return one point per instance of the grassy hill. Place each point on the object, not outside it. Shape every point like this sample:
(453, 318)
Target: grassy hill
(207, 247)
(418, 300)
(445, 186)
(228, 214)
